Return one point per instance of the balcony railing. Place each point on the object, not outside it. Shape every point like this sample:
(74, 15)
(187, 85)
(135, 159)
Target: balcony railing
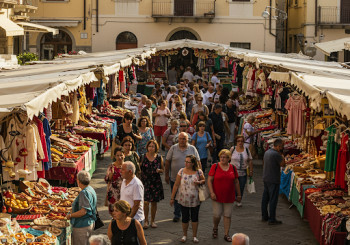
(183, 8)
(333, 15)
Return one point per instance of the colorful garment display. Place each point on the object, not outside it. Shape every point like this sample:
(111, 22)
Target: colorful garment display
(343, 159)
(332, 150)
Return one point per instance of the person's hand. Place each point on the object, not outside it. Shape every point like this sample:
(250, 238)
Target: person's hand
(68, 216)
(250, 173)
(239, 198)
(167, 179)
(159, 171)
(196, 183)
(213, 196)
(207, 145)
(172, 202)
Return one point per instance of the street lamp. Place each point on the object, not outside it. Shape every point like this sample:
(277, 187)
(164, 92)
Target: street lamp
(281, 15)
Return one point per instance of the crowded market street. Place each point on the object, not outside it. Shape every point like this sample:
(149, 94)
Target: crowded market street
(246, 219)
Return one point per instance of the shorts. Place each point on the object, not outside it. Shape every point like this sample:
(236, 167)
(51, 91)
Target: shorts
(159, 130)
(222, 209)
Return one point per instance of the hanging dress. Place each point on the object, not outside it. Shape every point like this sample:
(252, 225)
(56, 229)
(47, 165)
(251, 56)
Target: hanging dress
(343, 159)
(332, 150)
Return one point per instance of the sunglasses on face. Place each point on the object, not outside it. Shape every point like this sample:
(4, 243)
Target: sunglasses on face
(183, 126)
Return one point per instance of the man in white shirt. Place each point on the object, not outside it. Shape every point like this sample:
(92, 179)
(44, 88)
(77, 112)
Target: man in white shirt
(208, 96)
(188, 74)
(214, 79)
(132, 191)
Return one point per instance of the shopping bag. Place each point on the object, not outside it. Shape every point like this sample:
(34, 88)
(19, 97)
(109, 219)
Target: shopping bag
(250, 185)
(203, 192)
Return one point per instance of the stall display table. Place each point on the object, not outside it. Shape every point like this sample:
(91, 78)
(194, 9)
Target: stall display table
(313, 215)
(66, 173)
(103, 138)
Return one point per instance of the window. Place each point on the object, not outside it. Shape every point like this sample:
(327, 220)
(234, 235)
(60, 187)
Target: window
(126, 40)
(240, 45)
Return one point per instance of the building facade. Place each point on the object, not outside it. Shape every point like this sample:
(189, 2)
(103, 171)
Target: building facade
(315, 21)
(72, 18)
(119, 24)
(13, 37)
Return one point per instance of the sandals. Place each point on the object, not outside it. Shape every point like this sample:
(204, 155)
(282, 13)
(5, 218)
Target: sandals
(145, 226)
(195, 240)
(227, 238)
(154, 225)
(215, 233)
(183, 239)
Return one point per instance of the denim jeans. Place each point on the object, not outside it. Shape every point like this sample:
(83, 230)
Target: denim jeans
(242, 181)
(177, 206)
(270, 198)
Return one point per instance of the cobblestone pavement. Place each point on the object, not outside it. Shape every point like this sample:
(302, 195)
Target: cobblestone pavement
(246, 219)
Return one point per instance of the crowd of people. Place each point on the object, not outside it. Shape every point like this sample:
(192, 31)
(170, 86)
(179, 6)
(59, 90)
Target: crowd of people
(194, 122)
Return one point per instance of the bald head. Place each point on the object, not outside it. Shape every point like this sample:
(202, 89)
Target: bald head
(240, 239)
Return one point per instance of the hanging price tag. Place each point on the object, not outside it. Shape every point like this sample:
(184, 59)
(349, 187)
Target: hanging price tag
(30, 192)
(48, 233)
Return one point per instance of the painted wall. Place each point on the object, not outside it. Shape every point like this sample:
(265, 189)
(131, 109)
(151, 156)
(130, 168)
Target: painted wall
(70, 10)
(233, 22)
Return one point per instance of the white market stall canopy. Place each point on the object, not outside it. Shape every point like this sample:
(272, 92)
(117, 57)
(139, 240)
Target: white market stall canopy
(33, 87)
(332, 46)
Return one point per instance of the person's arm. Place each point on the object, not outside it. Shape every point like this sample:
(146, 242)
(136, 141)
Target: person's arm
(161, 169)
(164, 139)
(201, 178)
(250, 163)
(238, 190)
(109, 232)
(210, 187)
(77, 214)
(167, 166)
(135, 208)
(213, 133)
(176, 186)
(206, 110)
(192, 113)
(193, 143)
(155, 114)
(283, 162)
(140, 233)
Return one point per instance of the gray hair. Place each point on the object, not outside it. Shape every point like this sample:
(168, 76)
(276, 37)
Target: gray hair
(251, 117)
(130, 166)
(84, 177)
(100, 239)
(240, 237)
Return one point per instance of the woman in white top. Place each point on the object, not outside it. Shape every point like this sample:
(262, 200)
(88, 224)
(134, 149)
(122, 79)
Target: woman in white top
(197, 108)
(161, 115)
(186, 191)
(242, 159)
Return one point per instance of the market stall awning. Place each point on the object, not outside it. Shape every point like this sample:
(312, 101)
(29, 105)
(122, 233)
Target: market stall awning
(37, 28)
(332, 46)
(280, 76)
(347, 45)
(10, 27)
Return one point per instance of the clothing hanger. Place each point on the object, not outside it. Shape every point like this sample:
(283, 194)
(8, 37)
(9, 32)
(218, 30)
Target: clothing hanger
(347, 129)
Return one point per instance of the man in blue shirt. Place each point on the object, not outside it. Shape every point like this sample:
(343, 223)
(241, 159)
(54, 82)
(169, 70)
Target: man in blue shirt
(273, 161)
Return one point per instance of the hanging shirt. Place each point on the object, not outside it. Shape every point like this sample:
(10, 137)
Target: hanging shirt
(296, 106)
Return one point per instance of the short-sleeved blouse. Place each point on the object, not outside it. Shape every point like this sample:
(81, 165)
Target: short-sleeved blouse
(224, 183)
(187, 194)
(240, 160)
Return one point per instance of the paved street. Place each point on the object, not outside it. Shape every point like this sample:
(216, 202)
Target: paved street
(246, 219)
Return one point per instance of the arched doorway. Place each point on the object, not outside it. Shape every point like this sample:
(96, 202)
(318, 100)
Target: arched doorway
(126, 40)
(183, 34)
(51, 45)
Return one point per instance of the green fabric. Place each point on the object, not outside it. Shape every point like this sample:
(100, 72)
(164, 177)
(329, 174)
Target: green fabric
(94, 159)
(217, 63)
(294, 197)
(332, 151)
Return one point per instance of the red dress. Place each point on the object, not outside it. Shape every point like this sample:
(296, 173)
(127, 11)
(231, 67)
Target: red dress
(224, 183)
(343, 159)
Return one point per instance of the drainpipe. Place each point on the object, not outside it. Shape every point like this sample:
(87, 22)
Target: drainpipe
(316, 17)
(270, 21)
(96, 15)
(286, 41)
(84, 15)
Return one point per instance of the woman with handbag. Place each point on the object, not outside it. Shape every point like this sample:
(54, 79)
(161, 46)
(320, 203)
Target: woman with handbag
(186, 191)
(123, 229)
(202, 141)
(223, 184)
(197, 108)
(242, 160)
(114, 179)
(84, 213)
(127, 128)
(151, 167)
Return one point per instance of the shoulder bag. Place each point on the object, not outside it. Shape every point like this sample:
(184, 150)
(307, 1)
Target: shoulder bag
(203, 191)
(98, 222)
